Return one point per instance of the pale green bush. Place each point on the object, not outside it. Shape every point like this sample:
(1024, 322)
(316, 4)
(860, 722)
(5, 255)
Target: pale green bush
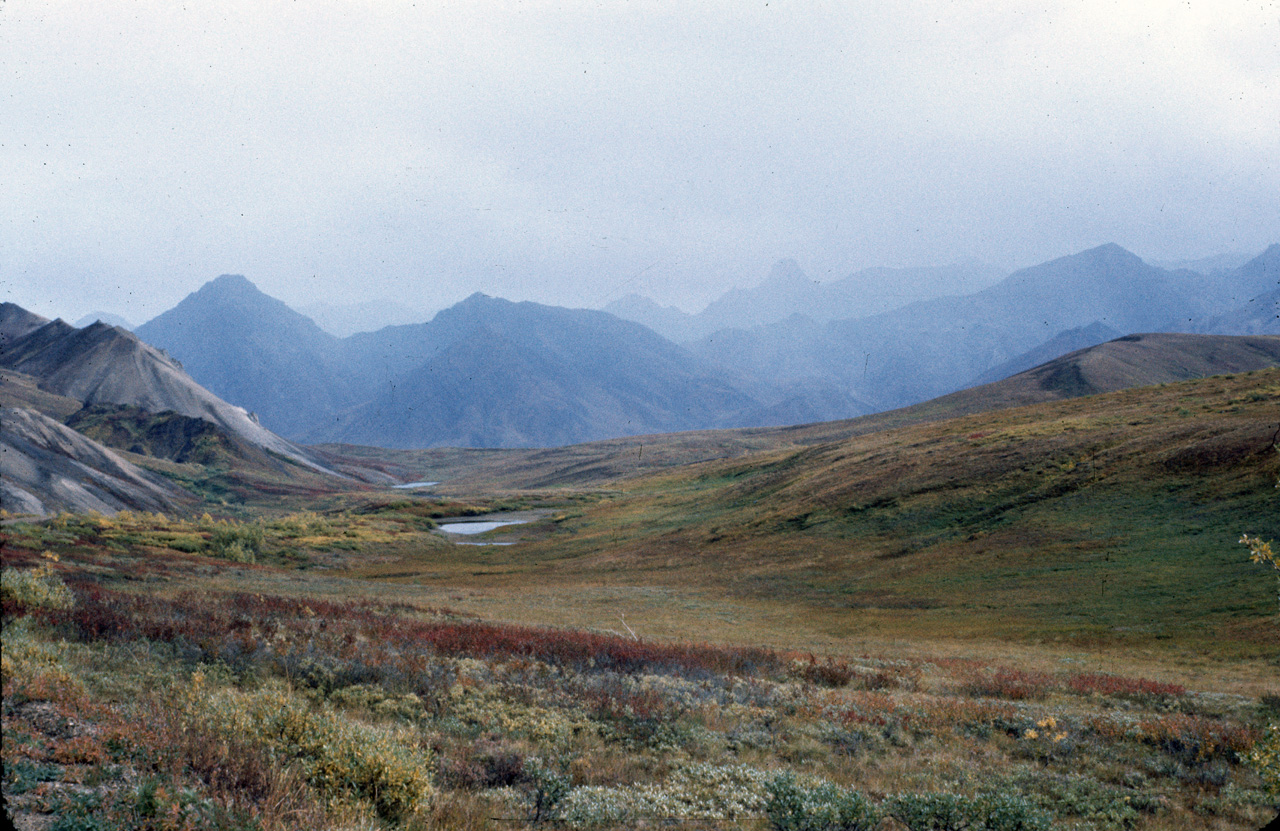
(238, 543)
(37, 588)
(693, 792)
(340, 757)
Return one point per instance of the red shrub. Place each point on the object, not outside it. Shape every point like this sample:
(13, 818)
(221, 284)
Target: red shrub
(831, 673)
(369, 642)
(1198, 739)
(81, 750)
(1089, 683)
(1009, 684)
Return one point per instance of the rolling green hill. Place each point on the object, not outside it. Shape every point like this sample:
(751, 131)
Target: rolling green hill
(1132, 361)
(1110, 518)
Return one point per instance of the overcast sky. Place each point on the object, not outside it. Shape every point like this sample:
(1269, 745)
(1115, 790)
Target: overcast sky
(571, 153)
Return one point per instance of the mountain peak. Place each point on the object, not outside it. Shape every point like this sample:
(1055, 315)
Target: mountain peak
(230, 285)
(1110, 251)
(787, 274)
(476, 303)
(1269, 259)
(16, 321)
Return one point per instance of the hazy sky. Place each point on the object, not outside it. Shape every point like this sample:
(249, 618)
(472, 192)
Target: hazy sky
(573, 152)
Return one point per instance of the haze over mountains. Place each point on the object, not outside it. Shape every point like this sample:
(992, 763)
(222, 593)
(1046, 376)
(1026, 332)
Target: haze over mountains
(485, 372)
(788, 291)
(934, 347)
(492, 373)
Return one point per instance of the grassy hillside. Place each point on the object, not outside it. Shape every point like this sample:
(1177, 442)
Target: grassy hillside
(1106, 520)
(1134, 361)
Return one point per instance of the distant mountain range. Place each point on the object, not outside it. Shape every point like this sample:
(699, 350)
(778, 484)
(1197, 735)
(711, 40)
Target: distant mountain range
(491, 373)
(788, 291)
(1120, 364)
(938, 346)
(103, 317)
(485, 372)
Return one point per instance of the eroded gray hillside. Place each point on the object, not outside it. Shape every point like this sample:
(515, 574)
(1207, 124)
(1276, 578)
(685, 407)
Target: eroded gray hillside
(102, 364)
(46, 467)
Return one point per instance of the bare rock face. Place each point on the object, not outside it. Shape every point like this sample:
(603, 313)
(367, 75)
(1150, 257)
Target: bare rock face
(46, 467)
(103, 364)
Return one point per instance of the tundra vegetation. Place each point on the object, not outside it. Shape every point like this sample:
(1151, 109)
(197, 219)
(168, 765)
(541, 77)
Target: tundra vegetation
(336, 662)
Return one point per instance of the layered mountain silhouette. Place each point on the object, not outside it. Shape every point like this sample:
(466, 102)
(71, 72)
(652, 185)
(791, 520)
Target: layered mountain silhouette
(498, 373)
(1253, 305)
(493, 373)
(1123, 363)
(934, 347)
(485, 372)
(788, 291)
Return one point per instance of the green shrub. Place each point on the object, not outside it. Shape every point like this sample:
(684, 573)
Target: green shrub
(1101, 805)
(38, 588)
(1012, 813)
(238, 543)
(955, 812)
(548, 787)
(932, 811)
(821, 807)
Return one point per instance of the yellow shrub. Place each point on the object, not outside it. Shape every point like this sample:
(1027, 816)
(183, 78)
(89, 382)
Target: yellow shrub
(339, 756)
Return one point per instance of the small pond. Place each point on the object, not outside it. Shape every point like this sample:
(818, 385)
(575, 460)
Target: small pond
(477, 527)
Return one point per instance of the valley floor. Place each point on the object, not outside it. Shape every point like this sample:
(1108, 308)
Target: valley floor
(307, 670)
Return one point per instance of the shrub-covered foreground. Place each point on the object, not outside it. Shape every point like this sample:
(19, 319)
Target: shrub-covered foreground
(243, 710)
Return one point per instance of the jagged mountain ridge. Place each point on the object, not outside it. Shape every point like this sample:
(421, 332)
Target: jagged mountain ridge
(16, 321)
(788, 291)
(489, 372)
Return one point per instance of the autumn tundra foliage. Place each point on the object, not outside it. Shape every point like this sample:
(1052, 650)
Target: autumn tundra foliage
(153, 687)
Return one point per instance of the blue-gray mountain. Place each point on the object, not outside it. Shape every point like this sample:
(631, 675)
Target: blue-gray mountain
(788, 291)
(485, 372)
(488, 372)
(105, 365)
(935, 347)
